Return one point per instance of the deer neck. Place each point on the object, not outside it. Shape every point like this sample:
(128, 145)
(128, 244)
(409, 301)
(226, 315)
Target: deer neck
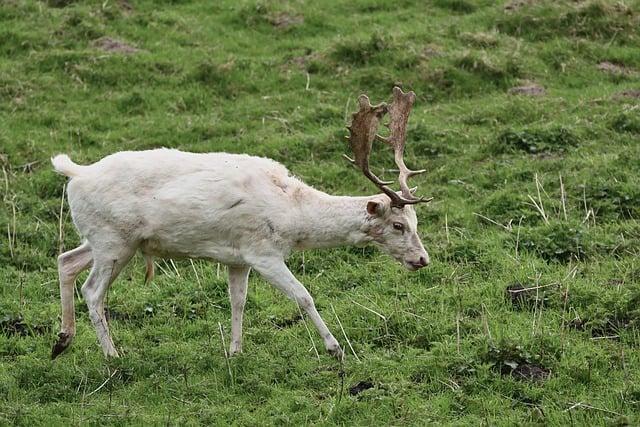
(331, 221)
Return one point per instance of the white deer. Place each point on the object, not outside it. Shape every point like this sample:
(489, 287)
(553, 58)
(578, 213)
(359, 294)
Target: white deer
(245, 212)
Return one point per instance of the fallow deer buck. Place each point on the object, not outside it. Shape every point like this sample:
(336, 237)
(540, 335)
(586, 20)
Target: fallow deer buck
(242, 211)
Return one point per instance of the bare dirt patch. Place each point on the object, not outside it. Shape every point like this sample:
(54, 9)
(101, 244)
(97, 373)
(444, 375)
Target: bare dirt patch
(531, 89)
(516, 5)
(360, 387)
(530, 372)
(125, 6)
(285, 20)
(615, 282)
(630, 93)
(525, 297)
(610, 67)
(302, 61)
(108, 44)
(288, 321)
(15, 325)
(431, 51)
(59, 3)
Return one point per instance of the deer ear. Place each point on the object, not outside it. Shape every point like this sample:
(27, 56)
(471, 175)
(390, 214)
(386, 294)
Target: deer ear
(376, 208)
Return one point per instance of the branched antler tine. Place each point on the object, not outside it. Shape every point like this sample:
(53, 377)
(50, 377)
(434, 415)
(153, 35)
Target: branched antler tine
(362, 132)
(383, 139)
(377, 181)
(349, 159)
(399, 111)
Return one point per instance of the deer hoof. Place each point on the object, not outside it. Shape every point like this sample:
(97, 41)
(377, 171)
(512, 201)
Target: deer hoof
(64, 340)
(336, 352)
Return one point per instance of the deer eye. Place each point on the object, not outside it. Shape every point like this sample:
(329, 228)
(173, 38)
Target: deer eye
(398, 226)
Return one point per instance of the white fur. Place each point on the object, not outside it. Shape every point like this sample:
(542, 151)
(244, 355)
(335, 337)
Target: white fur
(246, 212)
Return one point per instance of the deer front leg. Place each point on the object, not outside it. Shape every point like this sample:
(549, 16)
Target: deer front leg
(238, 282)
(276, 272)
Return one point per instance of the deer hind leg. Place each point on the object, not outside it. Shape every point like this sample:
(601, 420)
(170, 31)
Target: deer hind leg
(107, 264)
(70, 264)
(238, 282)
(150, 270)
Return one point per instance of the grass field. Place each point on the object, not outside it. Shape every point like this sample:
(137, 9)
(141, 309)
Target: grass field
(536, 189)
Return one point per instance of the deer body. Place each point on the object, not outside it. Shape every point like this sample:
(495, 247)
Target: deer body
(220, 206)
(243, 211)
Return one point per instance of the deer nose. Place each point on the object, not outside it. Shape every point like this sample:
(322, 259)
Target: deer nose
(422, 262)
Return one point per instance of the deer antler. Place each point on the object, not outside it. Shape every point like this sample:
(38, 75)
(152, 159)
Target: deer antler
(362, 133)
(364, 125)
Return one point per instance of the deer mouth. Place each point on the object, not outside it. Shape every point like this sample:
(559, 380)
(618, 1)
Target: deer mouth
(412, 266)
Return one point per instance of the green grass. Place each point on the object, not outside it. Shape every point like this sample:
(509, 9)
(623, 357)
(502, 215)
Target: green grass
(446, 345)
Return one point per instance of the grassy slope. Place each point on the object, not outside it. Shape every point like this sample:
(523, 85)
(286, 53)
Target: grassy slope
(222, 77)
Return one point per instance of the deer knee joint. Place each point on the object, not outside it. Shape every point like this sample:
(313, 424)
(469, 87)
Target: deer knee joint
(305, 302)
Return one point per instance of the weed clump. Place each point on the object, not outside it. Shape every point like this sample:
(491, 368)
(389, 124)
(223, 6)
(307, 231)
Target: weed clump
(557, 241)
(12, 324)
(361, 52)
(466, 251)
(506, 206)
(252, 15)
(80, 27)
(625, 123)
(401, 330)
(535, 141)
(10, 90)
(486, 70)
(612, 199)
(525, 297)
(512, 359)
(607, 315)
(262, 13)
(218, 76)
(133, 103)
(457, 6)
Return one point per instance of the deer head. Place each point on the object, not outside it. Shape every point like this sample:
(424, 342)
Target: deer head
(393, 220)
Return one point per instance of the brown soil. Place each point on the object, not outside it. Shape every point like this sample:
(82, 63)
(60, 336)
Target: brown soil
(360, 387)
(530, 90)
(431, 51)
(15, 325)
(515, 5)
(108, 44)
(631, 93)
(284, 20)
(530, 372)
(610, 67)
(521, 296)
(287, 322)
